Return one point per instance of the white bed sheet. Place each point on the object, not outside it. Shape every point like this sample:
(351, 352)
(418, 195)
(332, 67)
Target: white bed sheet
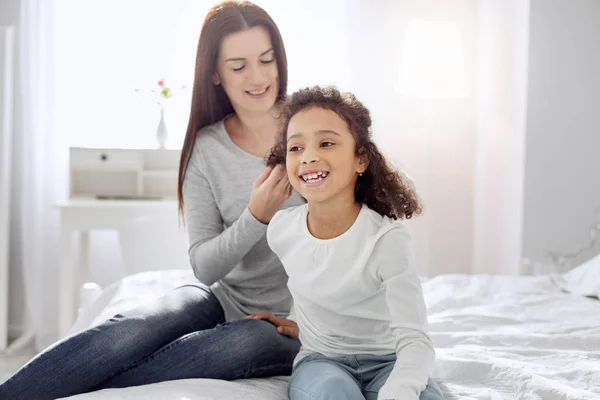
(496, 338)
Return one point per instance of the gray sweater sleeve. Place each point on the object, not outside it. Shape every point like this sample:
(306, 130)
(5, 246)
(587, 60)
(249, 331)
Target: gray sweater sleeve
(214, 251)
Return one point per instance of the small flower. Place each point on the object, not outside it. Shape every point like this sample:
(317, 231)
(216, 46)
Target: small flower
(163, 93)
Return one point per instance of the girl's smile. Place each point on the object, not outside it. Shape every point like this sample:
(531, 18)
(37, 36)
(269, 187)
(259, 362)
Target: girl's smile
(312, 178)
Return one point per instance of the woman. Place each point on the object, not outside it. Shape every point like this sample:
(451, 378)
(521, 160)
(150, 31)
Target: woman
(199, 331)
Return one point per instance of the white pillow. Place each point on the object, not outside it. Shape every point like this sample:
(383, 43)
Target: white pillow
(585, 279)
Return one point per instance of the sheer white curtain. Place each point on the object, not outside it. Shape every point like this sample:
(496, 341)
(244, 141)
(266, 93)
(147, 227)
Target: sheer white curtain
(39, 175)
(501, 132)
(468, 151)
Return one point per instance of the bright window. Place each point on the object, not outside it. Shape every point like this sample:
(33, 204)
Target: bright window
(105, 49)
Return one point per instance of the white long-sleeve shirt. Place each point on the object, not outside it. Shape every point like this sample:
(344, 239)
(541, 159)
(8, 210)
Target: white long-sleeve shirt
(358, 293)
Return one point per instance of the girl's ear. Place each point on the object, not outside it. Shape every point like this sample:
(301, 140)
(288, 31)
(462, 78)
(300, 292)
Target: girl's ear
(216, 80)
(363, 160)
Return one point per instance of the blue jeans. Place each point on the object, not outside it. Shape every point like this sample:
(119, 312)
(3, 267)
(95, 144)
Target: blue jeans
(357, 377)
(181, 335)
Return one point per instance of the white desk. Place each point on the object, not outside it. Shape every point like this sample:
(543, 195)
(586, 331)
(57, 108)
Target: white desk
(80, 216)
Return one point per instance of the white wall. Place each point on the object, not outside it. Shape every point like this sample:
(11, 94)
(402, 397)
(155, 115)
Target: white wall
(9, 15)
(562, 183)
(402, 126)
(9, 11)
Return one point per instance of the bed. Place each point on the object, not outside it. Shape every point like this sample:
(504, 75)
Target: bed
(496, 337)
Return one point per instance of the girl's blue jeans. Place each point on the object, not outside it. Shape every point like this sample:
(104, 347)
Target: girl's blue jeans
(355, 377)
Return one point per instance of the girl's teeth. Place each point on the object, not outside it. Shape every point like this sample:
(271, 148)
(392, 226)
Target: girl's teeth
(315, 177)
(313, 180)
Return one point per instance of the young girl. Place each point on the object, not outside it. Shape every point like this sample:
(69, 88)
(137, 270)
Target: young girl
(358, 301)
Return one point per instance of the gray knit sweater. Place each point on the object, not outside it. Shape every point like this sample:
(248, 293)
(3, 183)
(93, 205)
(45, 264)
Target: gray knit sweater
(228, 246)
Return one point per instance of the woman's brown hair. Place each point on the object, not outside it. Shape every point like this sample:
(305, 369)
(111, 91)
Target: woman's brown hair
(381, 187)
(210, 103)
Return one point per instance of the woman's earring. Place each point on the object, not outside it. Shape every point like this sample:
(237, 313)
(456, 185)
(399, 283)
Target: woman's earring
(360, 174)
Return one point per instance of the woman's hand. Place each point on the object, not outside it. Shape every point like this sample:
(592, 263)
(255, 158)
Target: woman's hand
(284, 326)
(269, 192)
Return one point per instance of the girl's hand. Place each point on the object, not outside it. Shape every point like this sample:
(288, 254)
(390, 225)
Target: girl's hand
(284, 326)
(269, 192)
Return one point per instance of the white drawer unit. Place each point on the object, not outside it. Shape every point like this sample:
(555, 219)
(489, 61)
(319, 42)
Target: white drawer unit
(123, 173)
(105, 159)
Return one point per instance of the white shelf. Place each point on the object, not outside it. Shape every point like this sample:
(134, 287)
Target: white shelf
(124, 173)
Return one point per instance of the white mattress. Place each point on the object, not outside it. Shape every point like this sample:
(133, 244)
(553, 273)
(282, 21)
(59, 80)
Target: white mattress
(496, 338)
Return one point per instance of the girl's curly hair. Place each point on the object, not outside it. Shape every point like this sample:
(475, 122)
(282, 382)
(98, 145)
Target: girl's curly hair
(381, 187)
